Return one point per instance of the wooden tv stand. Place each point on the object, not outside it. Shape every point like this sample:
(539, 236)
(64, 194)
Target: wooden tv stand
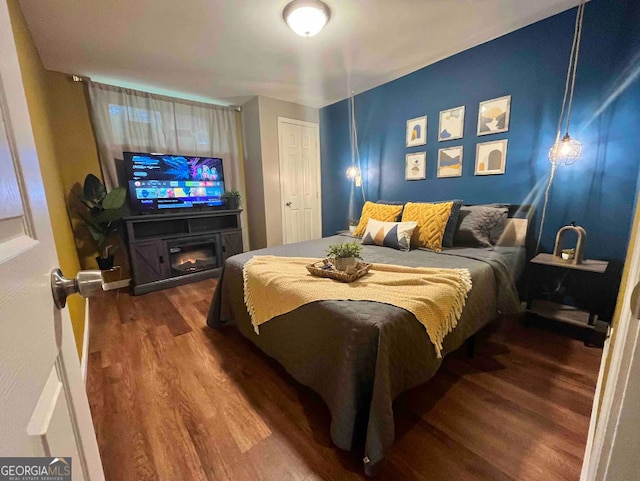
(168, 250)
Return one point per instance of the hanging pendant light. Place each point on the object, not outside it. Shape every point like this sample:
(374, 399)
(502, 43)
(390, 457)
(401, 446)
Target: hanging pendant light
(306, 17)
(565, 150)
(352, 172)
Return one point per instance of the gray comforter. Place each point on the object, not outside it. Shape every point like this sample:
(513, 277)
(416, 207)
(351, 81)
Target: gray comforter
(359, 355)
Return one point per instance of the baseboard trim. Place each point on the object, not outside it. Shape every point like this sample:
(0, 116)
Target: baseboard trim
(85, 342)
(111, 286)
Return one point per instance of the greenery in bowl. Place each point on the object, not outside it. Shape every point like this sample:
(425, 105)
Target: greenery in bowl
(344, 250)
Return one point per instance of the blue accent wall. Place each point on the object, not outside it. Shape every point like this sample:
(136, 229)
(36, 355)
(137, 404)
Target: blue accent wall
(598, 192)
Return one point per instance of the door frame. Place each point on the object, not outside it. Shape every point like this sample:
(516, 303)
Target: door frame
(624, 345)
(316, 127)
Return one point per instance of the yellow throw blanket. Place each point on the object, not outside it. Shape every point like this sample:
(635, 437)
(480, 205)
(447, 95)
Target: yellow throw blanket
(277, 285)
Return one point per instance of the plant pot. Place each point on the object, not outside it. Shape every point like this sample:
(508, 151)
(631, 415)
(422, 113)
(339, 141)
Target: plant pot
(105, 263)
(232, 204)
(352, 228)
(343, 263)
(568, 256)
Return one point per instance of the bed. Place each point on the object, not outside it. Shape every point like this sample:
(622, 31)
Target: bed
(360, 355)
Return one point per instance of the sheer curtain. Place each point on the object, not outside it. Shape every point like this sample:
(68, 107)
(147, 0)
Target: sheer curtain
(131, 120)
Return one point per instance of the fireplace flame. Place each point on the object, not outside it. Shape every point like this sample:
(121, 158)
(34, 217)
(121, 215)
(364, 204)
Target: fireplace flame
(192, 260)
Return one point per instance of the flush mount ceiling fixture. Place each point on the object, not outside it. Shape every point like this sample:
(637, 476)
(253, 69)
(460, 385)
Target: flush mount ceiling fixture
(306, 17)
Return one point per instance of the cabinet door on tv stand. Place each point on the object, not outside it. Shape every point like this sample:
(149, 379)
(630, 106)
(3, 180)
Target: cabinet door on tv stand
(150, 261)
(231, 244)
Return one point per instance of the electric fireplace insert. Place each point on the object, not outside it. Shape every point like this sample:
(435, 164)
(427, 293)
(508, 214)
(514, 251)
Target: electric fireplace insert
(193, 255)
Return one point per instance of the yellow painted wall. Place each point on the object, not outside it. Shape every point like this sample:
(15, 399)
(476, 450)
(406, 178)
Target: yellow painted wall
(65, 145)
(75, 147)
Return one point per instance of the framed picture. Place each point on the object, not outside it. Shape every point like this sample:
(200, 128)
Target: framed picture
(493, 115)
(416, 166)
(491, 157)
(450, 162)
(417, 131)
(451, 124)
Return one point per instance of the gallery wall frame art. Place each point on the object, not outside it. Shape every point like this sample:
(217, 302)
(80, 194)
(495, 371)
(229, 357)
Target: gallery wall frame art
(493, 115)
(450, 162)
(451, 124)
(415, 166)
(417, 131)
(491, 157)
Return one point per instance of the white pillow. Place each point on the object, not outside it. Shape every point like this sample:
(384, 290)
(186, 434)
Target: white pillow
(396, 235)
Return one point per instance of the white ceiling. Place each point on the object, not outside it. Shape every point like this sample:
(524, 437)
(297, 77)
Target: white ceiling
(230, 50)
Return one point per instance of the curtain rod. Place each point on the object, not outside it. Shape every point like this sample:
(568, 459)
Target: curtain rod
(80, 78)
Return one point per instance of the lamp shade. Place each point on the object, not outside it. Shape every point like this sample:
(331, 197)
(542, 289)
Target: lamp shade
(352, 172)
(306, 17)
(566, 151)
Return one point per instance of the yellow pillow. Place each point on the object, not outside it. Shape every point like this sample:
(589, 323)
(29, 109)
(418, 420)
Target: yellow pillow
(431, 219)
(381, 212)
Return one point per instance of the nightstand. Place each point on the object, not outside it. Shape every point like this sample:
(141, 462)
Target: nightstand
(560, 312)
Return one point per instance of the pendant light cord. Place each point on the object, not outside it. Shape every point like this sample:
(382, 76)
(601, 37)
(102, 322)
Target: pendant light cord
(351, 142)
(354, 144)
(571, 70)
(576, 49)
(568, 92)
(546, 202)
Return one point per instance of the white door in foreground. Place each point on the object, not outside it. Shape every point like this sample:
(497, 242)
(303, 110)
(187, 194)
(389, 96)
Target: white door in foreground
(43, 404)
(614, 445)
(299, 180)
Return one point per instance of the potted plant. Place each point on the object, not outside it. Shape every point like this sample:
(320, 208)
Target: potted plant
(353, 224)
(102, 216)
(568, 254)
(344, 255)
(233, 199)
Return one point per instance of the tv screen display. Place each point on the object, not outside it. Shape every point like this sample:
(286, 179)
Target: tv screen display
(159, 181)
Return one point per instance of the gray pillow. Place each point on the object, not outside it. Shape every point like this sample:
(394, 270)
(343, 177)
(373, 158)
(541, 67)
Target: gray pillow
(476, 225)
(452, 223)
(498, 229)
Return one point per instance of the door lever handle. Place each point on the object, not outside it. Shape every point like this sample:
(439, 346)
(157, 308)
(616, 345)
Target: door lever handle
(87, 283)
(288, 204)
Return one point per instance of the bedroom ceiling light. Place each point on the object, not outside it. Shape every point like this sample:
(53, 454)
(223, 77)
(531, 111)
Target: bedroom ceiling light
(565, 150)
(306, 17)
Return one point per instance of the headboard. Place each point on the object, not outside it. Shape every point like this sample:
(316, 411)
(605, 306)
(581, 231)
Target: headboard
(528, 213)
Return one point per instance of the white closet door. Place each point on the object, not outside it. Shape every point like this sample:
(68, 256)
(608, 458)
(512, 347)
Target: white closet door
(299, 180)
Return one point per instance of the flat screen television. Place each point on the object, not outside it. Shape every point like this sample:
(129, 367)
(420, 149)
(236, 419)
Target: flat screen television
(159, 182)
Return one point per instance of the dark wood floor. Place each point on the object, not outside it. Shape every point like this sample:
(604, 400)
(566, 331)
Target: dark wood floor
(174, 400)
